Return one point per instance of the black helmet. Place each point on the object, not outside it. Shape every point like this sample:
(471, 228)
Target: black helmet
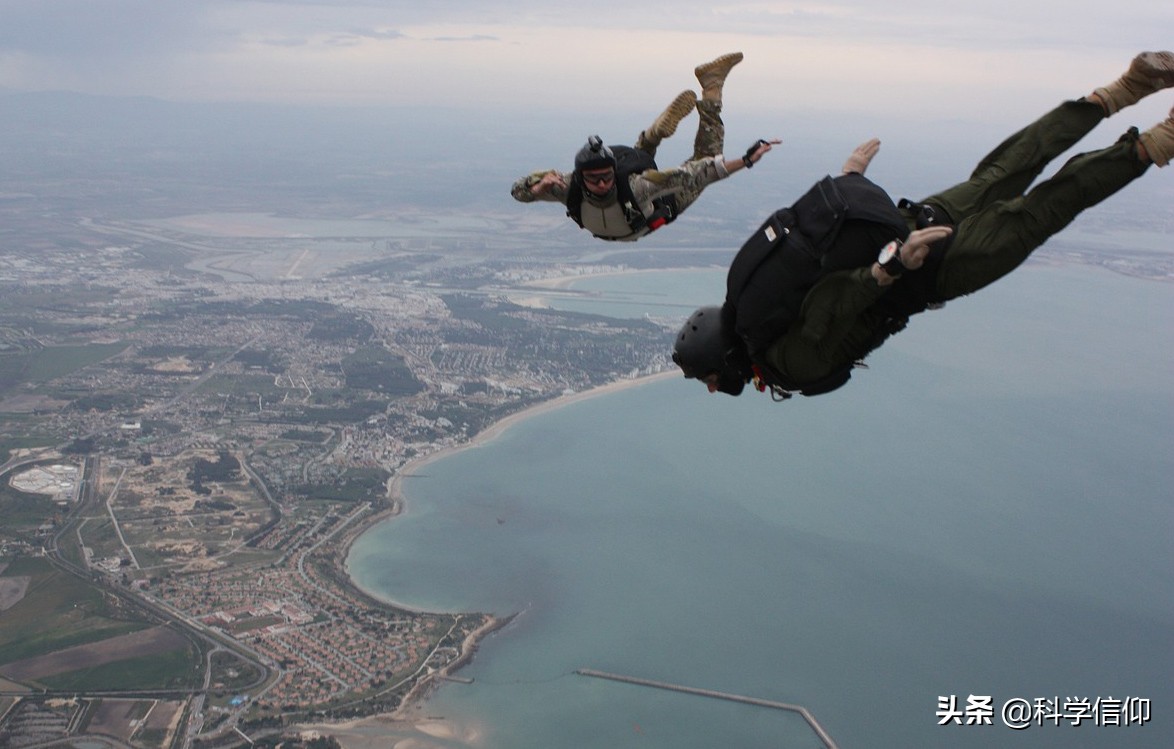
(594, 155)
(700, 349)
(704, 346)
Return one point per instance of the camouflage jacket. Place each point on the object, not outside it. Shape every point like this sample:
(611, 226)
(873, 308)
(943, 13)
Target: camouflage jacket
(686, 182)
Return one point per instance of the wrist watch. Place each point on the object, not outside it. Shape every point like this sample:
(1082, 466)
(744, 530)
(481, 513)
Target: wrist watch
(889, 258)
(747, 161)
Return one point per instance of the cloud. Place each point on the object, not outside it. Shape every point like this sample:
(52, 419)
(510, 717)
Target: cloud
(83, 30)
(559, 55)
(470, 38)
(383, 34)
(287, 41)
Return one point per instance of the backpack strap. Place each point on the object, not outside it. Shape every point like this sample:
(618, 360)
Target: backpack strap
(629, 161)
(766, 378)
(575, 201)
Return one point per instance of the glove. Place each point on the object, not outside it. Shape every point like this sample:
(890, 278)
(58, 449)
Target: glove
(746, 162)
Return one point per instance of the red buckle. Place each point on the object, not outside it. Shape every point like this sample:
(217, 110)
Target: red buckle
(759, 381)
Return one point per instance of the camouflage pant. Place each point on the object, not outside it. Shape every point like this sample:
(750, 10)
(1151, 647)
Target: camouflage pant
(709, 142)
(711, 133)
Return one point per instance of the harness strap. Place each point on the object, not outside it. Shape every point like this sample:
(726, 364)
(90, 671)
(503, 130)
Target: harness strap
(777, 393)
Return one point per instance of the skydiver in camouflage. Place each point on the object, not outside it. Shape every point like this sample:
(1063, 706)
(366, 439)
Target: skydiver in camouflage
(618, 194)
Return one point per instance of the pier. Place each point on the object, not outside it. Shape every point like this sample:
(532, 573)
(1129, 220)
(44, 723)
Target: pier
(807, 716)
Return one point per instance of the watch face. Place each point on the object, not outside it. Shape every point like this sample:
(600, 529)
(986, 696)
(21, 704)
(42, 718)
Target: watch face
(888, 252)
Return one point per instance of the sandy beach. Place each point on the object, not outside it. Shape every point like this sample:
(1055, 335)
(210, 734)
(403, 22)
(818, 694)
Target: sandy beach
(565, 282)
(395, 491)
(388, 732)
(409, 727)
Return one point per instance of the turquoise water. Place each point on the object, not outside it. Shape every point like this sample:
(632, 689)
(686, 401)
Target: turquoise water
(985, 511)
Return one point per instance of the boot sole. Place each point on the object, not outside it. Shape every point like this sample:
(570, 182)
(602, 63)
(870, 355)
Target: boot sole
(721, 66)
(666, 124)
(1157, 65)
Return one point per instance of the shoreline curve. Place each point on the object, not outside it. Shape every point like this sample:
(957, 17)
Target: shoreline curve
(407, 720)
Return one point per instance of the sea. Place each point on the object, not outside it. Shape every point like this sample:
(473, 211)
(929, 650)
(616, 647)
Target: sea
(969, 545)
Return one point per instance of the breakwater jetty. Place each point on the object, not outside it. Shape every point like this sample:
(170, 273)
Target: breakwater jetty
(804, 712)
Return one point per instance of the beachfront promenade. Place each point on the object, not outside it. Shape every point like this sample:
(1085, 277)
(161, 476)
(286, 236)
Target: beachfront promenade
(807, 716)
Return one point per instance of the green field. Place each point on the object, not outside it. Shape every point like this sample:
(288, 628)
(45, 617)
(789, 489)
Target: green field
(60, 611)
(354, 485)
(21, 511)
(57, 611)
(177, 669)
(26, 425)
(41, 365)
(100, 537)
(242, 385)
(230, 674)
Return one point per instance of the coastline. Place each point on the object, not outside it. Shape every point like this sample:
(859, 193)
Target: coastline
(395, 490)
(407, 727)
(565, 282)
(536, 293)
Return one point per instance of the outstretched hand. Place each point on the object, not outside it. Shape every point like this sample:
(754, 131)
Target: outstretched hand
(859, 160)
(759, 149)
(549, 180)
(917, 246)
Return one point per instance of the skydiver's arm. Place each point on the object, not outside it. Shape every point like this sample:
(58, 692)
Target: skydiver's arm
(835, 323)
(913, 252)
(859, 159)
(550, 185)
(832, 327)
(694, 176)
(753, 155)
(833, 304)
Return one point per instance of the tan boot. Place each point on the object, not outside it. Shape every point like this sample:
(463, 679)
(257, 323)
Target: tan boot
(666, 122)
(1159, 140)
(712, 75)
(1149, 72)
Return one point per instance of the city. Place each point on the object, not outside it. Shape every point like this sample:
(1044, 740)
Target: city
(200, 452)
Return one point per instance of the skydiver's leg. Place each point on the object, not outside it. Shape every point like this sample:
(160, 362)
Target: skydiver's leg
(1157, 143)
(993, 242)
(1147, 73)
(666, 122)
(711, 131)
(1015, 163)
(1011, 168)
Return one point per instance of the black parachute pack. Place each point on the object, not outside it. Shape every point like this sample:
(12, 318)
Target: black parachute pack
(629, 161)
(792, 250)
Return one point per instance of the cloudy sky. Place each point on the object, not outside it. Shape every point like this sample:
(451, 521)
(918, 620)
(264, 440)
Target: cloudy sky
(551, 55)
